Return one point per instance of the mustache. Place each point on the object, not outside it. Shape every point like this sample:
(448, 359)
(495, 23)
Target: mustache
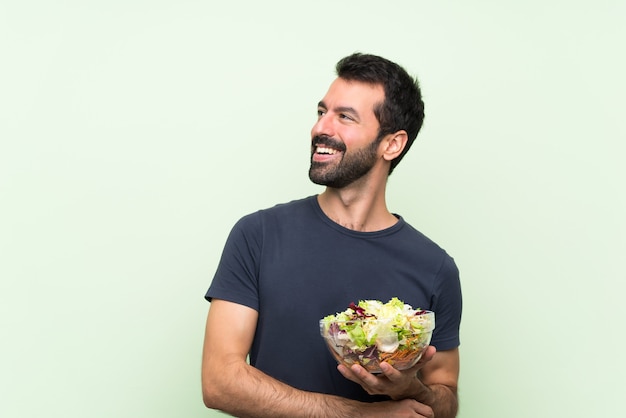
(329, 142)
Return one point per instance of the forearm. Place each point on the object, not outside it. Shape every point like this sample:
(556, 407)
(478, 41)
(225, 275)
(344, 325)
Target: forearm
(441, 398)
(436, 383)
(246, 392)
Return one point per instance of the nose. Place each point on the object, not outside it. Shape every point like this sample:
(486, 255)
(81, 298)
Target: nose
(323, 126)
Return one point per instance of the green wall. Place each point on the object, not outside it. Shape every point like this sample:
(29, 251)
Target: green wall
(135, 133)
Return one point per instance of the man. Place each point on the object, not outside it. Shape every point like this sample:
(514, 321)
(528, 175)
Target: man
(286, 267)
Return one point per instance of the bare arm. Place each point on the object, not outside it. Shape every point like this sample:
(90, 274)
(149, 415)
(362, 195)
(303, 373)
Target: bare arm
(230, 384)
(437, 383)
(432, 382)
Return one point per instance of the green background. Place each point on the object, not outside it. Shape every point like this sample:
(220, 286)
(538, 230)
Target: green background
(135, 133)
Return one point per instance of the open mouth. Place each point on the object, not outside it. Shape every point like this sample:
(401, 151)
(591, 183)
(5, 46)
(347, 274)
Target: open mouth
(325, 146)
(326, 149)
(320, 149)
(324, 153)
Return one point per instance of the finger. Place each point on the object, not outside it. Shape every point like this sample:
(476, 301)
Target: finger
(429, 353)
(424, 410)
(390, 372)
(394, 374)
(352, 373)
(427, 356)
(346, 372)
(362, 375)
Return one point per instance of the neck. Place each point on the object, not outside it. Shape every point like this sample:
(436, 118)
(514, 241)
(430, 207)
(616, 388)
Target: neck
(360, 206)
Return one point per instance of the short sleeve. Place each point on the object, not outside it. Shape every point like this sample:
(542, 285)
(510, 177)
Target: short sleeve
(236, 277)
(447, 305)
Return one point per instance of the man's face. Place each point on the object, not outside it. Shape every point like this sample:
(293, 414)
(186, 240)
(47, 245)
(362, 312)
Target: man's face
(344, 144)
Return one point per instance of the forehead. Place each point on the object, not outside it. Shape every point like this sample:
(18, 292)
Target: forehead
(356, 94)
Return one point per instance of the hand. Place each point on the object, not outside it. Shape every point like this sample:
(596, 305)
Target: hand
(391, 382)
(396, 409)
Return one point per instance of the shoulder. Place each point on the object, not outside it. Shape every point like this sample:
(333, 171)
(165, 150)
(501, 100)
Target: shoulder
(425, 250)
(420, 240)
(279, 213)
(288, 207)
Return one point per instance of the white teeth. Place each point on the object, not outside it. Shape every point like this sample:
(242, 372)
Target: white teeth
(322, 150)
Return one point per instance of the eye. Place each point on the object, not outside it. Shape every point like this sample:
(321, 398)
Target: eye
(346, 117)
(321, 112)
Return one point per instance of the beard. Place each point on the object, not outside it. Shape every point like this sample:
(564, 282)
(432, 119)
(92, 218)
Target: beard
(352, 166)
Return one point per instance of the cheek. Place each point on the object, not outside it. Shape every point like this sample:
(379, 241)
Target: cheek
(354, 139)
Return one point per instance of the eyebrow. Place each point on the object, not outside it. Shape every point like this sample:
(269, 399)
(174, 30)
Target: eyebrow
(340, 109)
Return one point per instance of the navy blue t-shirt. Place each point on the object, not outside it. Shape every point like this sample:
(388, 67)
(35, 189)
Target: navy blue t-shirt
(294, 266)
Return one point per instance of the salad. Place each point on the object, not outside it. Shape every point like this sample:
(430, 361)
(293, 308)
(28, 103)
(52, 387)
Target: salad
(370, 332)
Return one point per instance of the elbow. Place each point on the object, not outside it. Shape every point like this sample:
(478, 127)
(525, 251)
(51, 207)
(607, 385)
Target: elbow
(206, 398)
(210, 397)
(219, 389)
(212, 388)
(208, 402)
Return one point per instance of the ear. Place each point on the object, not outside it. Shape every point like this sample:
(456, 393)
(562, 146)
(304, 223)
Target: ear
(394, 144)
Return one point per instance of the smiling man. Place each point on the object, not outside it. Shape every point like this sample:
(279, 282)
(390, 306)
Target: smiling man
(286, 267)
(340, 124)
